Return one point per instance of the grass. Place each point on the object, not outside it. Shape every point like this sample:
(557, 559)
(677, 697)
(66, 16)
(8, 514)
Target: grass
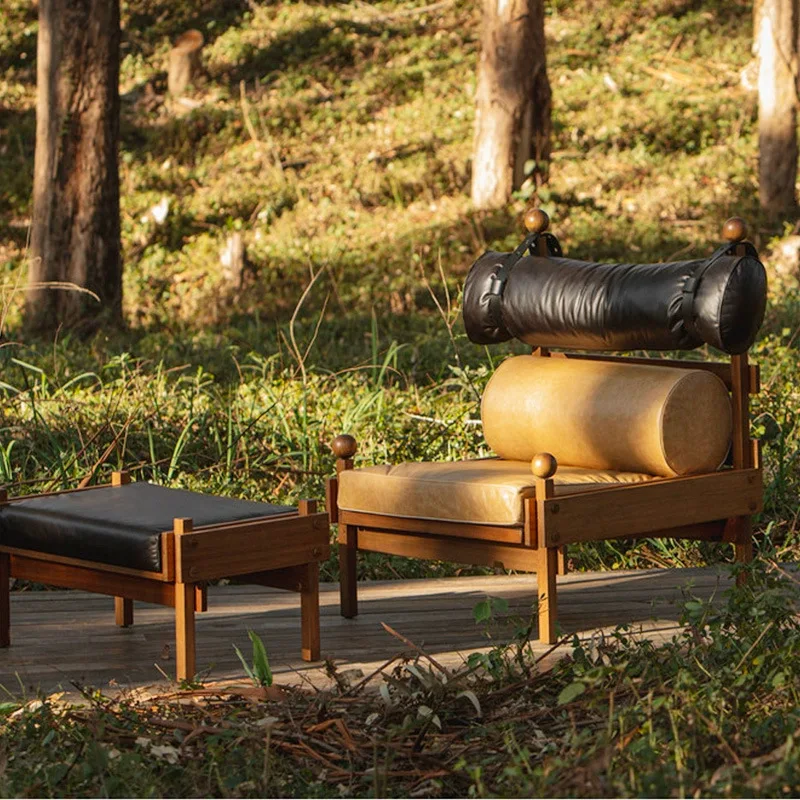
(336, 139)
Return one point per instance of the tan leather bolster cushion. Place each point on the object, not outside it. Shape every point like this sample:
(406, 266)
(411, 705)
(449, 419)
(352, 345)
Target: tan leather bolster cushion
(602, 415)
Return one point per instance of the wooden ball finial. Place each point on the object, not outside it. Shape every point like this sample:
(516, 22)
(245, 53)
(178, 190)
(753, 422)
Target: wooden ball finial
(544, 465)
(344, 446)
(734, 230)
(536, 221)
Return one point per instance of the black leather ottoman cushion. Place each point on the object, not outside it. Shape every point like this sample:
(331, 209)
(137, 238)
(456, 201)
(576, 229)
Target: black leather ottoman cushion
(117, 525)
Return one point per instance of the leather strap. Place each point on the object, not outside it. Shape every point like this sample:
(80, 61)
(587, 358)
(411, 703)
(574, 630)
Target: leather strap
(693, 280)
(504, 270)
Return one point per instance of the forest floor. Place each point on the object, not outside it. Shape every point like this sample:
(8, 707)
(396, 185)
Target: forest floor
(335, 139)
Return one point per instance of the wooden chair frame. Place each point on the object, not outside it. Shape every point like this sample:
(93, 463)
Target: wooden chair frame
(716, 506)
(281, 551)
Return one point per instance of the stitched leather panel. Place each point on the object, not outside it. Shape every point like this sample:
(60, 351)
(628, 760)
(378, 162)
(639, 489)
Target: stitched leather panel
(483, 491)
(118, 525)
(637, 418)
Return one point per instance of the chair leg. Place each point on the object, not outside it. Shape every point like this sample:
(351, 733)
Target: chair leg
(123, 611)
(200, 598)
(184, 632)
(5, 600)
(562, 560)
(743, 546)
(546, 571)
(309, 613)
(348, 589)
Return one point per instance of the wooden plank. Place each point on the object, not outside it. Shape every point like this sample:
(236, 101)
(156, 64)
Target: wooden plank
(92, 580)
(209, 553)
(460, 530)
(643, 508)
(291, 579)
(719, 368)
(436, 614)
(79, 562)
(442, 548)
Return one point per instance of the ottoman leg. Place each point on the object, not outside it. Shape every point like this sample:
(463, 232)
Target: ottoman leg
(5, 600)
(309, 613)
(123, 611)
(184, 632)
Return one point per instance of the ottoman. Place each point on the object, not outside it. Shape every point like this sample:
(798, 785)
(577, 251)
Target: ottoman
(139, 541)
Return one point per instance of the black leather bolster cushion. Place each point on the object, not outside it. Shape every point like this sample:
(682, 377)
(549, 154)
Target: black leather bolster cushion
(117, 525)
(559, 302)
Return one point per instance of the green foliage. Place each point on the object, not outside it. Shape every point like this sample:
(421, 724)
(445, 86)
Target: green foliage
(260, 673)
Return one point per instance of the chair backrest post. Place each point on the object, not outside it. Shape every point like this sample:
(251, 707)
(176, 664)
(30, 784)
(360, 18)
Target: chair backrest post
(740, 402)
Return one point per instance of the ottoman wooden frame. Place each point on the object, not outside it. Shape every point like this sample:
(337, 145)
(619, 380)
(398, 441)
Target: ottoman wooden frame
(190, 557)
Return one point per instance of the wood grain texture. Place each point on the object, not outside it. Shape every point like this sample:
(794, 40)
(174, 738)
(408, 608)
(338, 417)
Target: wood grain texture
(91, 580)
(441, 548)
(185, 665)
(78, 562)
(332, 500)
(208, 554)
(721, 369)
(546, 571)
(640, 509)
(461, 530)
(740, 402)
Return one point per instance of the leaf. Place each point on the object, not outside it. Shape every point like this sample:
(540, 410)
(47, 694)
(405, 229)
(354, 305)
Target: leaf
(569, 693)
(384, 692)
(500, 605)
(482, 611)
(260, 661)
(7, 708)
(246, 666)
(473, 698)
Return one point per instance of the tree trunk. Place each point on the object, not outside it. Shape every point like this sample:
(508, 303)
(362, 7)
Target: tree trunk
(184, 62)
(775, 42)
(512, 123)
(75, 234)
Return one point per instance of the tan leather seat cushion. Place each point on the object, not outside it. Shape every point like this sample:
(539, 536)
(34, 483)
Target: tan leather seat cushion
(485, 491)
(603, 415)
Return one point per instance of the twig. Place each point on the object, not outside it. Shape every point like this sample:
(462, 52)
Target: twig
(415, 647)
(406, 12)
(365, 681)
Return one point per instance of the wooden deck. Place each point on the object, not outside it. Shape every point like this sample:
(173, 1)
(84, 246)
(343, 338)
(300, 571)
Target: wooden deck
(62, 636)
